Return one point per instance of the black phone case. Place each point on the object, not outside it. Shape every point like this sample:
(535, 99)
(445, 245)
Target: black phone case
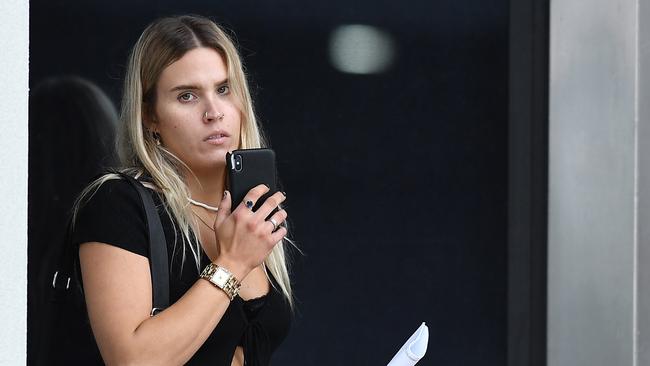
(257, 167)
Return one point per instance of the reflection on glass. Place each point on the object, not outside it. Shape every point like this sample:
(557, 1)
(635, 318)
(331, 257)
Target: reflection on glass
(361, 49)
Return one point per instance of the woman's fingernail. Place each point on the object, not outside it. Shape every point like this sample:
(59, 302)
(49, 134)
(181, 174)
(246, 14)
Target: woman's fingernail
(225, 194)
(284, 193)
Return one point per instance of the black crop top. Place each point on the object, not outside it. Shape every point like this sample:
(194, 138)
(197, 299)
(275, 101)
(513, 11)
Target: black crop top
(114, 215)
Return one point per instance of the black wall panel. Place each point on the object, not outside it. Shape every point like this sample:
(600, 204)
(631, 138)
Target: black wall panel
(396, 182)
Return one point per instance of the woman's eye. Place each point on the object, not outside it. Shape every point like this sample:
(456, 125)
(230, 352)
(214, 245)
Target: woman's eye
(224, 89)
(186, 97)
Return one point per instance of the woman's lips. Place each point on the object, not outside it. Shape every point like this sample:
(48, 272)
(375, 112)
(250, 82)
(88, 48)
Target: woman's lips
(216, 139)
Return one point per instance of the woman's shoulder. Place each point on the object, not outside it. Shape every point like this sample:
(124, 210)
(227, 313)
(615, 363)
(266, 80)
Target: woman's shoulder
(113, 188)
(110, 211)
(112, 183)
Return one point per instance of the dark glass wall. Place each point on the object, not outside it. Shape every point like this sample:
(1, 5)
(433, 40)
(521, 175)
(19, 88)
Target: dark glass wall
(396, 180)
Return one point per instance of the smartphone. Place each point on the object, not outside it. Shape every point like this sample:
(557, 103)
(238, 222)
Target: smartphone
(248, 168)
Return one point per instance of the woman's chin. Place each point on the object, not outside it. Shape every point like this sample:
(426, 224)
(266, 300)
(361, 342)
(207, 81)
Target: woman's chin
(216, 163)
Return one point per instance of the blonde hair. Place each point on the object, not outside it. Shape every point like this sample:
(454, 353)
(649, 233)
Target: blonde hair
(163, 42)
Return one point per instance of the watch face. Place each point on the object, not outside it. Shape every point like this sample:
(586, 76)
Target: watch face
(220, 277)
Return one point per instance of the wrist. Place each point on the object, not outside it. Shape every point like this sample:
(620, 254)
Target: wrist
(237, 270)
(223, 279)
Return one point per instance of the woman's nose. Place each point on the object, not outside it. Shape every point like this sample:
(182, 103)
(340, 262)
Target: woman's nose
(212, 112)
(211, 117)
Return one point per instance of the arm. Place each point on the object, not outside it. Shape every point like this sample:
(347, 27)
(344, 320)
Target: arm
(118, 296)
(118, 291)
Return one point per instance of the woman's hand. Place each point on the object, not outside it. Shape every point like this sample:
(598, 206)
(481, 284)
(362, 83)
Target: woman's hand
(245, 238)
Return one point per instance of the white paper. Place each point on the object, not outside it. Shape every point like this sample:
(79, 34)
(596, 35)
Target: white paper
(414, 349)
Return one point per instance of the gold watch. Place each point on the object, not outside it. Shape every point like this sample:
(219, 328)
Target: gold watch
(222, 278)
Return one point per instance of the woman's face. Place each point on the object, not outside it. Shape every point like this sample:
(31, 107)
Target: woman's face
(188, 88)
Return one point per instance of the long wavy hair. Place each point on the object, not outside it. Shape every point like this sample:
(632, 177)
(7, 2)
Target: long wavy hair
(163, 42)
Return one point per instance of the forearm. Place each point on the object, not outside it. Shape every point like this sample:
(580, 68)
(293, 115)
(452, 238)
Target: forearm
(175, 334)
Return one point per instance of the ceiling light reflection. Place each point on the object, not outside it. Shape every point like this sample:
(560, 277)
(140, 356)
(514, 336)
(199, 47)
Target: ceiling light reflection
(361, 49)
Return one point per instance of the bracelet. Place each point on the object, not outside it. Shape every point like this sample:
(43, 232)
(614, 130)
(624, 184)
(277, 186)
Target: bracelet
(222, 278)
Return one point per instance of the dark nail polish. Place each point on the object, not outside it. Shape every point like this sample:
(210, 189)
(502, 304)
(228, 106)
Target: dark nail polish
(225, 193)
(284, 193)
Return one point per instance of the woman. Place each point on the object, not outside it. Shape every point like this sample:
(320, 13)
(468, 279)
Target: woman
(185, 105)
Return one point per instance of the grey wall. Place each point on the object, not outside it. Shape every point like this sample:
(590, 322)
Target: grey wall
(643, 216)
(595, 133)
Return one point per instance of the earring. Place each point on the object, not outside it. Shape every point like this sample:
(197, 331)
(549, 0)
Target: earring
(156, 137)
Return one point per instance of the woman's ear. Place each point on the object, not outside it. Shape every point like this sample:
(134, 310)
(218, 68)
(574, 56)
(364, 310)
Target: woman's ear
(149, 119)
(149, 123)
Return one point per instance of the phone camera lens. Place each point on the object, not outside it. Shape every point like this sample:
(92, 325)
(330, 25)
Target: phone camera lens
(238, 163)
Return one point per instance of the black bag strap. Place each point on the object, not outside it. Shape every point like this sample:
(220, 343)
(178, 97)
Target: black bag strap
(158, 261)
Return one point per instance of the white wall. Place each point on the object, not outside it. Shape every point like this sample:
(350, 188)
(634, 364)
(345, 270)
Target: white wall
(594, 235)
(14, 42)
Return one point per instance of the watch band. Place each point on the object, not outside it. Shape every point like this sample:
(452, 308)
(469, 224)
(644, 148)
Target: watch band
(222, 278)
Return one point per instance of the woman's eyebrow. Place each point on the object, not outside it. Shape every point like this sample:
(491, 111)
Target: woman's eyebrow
(184, 87)
(194, 87)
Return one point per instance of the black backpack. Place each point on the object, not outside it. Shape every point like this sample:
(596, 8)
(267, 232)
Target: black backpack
(64, 336)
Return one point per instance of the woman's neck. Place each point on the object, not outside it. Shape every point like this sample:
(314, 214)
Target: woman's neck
(209, 187)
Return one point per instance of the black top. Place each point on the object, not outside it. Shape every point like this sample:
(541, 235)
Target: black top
(114, 215)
